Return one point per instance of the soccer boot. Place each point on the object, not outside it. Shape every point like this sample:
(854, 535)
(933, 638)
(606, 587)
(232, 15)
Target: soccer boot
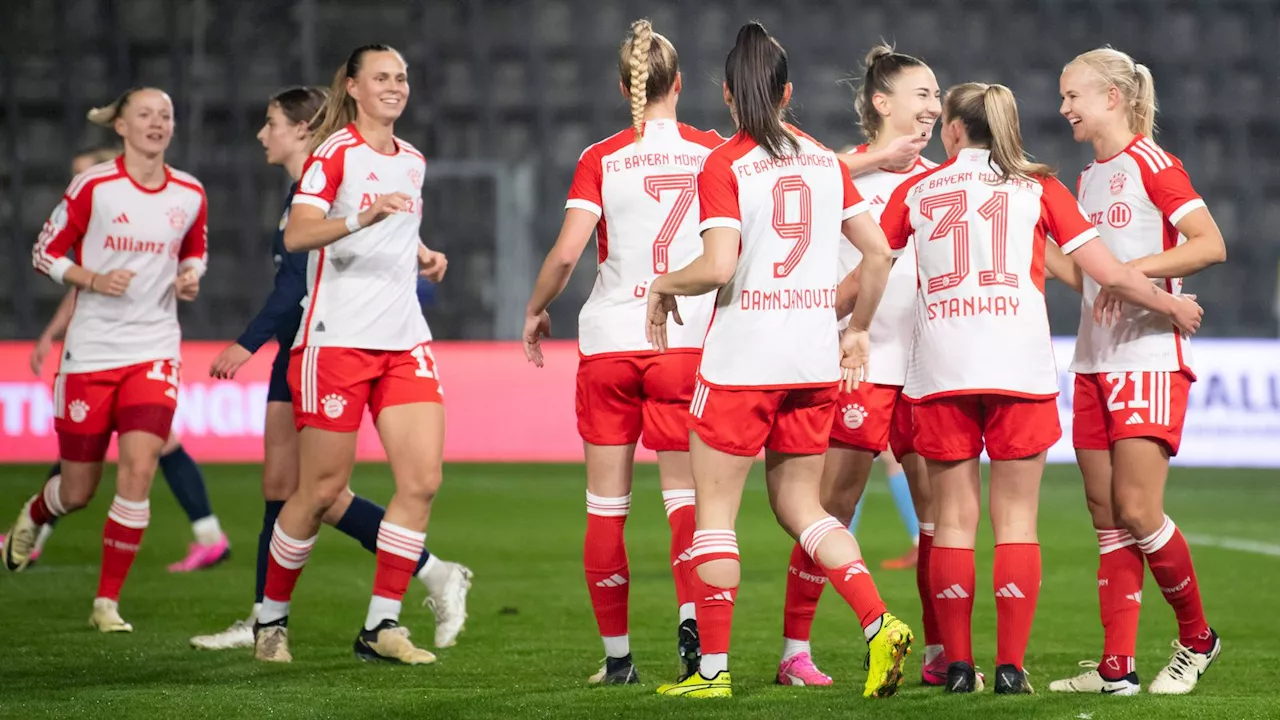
(962, 678)
(106, 617)
(933, 671)
(239, 635)
(20, 542)
(271, 641)
(389, 642)
(799, 670)
(689, 647)
(886, 653)
(202, 557)
(447, 598)
(616, 671)
(1012, 681)
(697, 687)
(1186, 666)
(1091, 681)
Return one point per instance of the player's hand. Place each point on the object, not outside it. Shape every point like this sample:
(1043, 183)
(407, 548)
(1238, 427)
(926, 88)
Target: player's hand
(536, 327)
(1107, 308)
(655, 330)
(39, 353)
(431, 264)
(113, 283)
(1187, 314)
(382, 207)
(229, 361)
(855, 355)
(903, 152)
(187, 285)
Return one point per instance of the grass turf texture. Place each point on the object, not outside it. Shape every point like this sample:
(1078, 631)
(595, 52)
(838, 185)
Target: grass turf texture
(531, 640)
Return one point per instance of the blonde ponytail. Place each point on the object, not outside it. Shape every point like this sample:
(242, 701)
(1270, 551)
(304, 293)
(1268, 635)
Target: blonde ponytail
(648, 67)
(339, 109)
(106, 115)
(1133, 80)
(641, 39)
(1142, 107)
(990, 117)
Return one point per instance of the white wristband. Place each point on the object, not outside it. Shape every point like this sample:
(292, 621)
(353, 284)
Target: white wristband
(353, 222)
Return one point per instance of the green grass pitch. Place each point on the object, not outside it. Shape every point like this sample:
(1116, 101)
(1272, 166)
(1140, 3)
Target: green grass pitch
(531, 641)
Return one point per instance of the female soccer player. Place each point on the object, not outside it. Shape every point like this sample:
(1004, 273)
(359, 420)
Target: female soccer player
(286, 138)
(137, 228)
(637, 191)
(982, 368)
(180, 471)
(363, 341)
(1133, 374)
(774, 204)
(898, 98)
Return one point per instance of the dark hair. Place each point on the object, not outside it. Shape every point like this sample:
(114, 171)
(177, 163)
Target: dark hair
(339, 108)
(881, 68)
(650, 60)
(756, 74)
(300, 104)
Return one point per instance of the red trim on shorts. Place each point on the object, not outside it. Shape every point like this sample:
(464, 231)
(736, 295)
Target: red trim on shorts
(315, 293)
(980, 391)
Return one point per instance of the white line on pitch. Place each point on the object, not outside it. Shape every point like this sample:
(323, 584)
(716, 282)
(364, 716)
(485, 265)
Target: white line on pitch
(1229, 543)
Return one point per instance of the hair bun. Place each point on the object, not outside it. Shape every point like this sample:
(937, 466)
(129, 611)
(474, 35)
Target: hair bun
(876, 53)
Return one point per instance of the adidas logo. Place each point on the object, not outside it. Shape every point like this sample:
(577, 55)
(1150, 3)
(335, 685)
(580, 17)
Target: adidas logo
(1134, 419)
(878, 200)
(724, 596)
(615, 581)
(372, 178)
(855, 569)
(121, 219)
(1010, 591)
(955, 592)
(1136, 597)
(682, 557)
(320, 326)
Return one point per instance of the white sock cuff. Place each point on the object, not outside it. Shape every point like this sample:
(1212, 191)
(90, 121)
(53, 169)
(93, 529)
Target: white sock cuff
(676, 499)
(400, 541)
(813, 535)
(608, 506)
(290, 553)
(926, 529)
(129, 513)
(1159, 538)
(714, 542)
(53, 496)
(207, 530)
(1113, 539)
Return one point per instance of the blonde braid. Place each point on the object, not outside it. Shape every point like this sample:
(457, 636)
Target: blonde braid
(641, 40)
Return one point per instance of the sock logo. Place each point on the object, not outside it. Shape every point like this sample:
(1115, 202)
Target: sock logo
(856, 568)
(1136, 597)
(682, 557)
(79, 410)
(955, 592)
(614, 580)
(1010, 591)
(854, 415)
(807, 577)
(334, 404)
(1177, 588)
(721, 596)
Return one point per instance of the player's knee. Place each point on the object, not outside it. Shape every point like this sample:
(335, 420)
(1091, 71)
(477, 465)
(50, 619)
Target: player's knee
(134, 474)
(724, 573)
(421, 485)
(1101, 511)
(75, 496)
(1140, 520)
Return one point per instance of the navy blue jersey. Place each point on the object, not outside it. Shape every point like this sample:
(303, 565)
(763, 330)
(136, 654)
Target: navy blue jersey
(282, 312)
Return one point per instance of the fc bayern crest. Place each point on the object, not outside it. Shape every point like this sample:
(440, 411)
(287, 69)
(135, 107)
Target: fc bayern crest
(853, 415)
(1117, 183)
(177, 218)
(415, 177)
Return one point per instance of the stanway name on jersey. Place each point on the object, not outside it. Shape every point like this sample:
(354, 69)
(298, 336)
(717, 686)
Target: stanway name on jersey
(788, 161)
(653, 159)
(972, 306)
(789, 299)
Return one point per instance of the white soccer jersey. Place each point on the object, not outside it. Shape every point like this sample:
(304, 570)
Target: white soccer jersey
(981, 326)
(1135, 199)
(109, 222)
(774, 324)
(645, 195)
(894, 320)
(362, 291)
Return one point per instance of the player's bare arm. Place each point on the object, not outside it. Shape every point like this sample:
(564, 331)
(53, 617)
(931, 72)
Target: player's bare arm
(1058, 265)
(575, 233)
(710, 270)
(877, 260)
(1203, 248)
(308, 229)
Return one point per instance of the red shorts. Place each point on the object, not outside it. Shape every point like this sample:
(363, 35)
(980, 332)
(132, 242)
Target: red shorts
(88, 407)
(331, 385)
(623, 397)
(872, 418)
(1114, 406)
(741, 422)
(956, 427)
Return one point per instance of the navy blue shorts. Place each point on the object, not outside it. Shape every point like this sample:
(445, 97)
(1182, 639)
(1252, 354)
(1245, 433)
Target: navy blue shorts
(278, 388)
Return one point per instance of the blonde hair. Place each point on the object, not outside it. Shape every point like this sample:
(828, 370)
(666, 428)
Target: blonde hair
(339, 109)
(648, 66)
(990, 117)
(880, 69)
(1132, 79)
(106, 115)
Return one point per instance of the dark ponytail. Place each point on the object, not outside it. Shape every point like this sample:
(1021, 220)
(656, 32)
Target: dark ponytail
(756, 74)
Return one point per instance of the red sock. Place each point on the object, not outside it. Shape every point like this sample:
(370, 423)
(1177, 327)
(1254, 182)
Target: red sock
(1119, 600)
(399, 550)
(714, 603)
(680, 515)
(604, 556)
(126, 521)
(285, 561)
(1170, 561)
(951, 580)
(852, 579)
(48, 504)
(930, 620)
(805, 581)
(1016, 578)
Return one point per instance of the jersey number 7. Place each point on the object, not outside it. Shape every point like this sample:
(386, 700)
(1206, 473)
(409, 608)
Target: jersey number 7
(653, 186)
